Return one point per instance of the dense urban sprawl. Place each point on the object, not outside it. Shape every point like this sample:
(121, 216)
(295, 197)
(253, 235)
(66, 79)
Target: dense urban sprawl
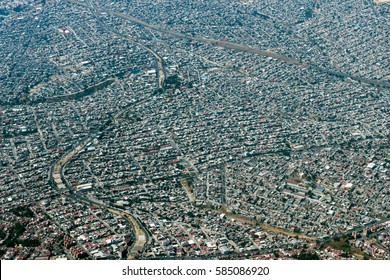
(194, 129)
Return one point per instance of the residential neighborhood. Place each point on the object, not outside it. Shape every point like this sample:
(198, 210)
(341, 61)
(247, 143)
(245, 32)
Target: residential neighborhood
(194, 129)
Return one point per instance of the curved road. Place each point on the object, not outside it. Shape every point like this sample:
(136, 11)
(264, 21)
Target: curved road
(141, 234)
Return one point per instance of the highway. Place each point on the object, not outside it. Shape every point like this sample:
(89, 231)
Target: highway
(140, 232)
(141, 235)
(239, 47)
(159, 60)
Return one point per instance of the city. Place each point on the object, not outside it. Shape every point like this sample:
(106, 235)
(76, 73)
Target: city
(194, 129)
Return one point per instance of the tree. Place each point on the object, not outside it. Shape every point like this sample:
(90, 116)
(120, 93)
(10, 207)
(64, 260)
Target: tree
(306, 256)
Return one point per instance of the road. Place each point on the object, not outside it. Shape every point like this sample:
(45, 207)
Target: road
(141, 236)
(159, 60)
(239, 47)
(57, 168)
(357, 229)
